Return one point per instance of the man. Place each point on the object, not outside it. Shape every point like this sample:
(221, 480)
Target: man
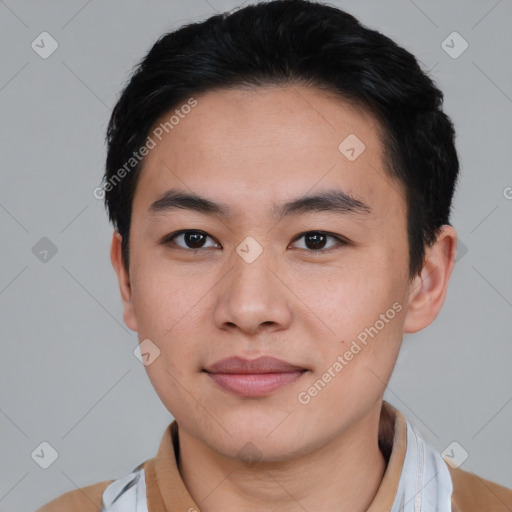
(280, 180)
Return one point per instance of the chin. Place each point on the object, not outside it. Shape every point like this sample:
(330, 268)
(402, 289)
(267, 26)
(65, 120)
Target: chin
(253, 450)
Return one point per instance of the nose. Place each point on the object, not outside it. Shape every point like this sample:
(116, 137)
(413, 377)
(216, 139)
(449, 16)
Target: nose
(251, 296)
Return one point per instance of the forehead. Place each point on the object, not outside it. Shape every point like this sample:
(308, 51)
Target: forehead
(257, 146)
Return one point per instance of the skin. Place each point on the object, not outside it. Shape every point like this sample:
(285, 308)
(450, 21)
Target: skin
(251, 150)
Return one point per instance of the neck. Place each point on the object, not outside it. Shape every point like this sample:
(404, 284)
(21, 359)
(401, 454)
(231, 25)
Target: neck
(343, 475)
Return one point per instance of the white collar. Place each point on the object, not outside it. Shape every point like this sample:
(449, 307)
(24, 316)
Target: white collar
(425, 482)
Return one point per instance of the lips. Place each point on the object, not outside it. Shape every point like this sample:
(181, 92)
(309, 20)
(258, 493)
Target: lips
(262, 364)
(255, 377)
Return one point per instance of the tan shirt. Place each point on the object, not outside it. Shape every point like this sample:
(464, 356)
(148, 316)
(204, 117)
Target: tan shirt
(166, 491)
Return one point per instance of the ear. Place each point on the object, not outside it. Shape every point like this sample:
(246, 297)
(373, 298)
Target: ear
(427, 291)
(116, 256)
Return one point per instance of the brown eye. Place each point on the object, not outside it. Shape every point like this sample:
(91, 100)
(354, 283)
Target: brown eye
(318, 241)
(315, 240)
(191, 239)
(194, 240)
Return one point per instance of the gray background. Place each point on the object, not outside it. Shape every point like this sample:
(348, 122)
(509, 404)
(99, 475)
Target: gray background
(68, 373)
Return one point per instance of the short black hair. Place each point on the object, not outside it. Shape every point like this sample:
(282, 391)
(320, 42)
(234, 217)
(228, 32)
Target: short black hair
(294, 42)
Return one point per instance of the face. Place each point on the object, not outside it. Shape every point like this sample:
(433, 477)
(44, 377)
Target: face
(256, 269)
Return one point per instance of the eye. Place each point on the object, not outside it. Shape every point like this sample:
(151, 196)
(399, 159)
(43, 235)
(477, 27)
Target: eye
(318, 241)
(191, 239)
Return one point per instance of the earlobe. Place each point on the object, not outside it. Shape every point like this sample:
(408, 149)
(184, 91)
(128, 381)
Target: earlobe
(428, 290)
(123, 277)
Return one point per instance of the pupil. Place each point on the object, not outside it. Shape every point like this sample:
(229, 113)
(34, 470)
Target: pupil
(317, 240)
(194, 240)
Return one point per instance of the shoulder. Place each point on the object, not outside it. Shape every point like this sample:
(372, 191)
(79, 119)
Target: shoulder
(472, 493)
(85, 499)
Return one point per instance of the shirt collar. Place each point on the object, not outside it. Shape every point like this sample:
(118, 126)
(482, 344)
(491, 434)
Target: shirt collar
(166, 491)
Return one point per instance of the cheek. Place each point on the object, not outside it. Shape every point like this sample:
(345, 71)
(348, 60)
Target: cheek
(169, 383)
(170, 324)
(355, 370)
(163, 299)
(347, 299)
(364, 312)
(166, 315)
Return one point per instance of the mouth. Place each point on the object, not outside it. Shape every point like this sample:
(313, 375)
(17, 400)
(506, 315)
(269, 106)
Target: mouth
(253, 378)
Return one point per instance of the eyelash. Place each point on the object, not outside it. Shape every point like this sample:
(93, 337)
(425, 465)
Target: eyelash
(341, 241)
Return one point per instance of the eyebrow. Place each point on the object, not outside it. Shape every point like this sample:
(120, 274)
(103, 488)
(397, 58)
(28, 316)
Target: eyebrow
(332, 200)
